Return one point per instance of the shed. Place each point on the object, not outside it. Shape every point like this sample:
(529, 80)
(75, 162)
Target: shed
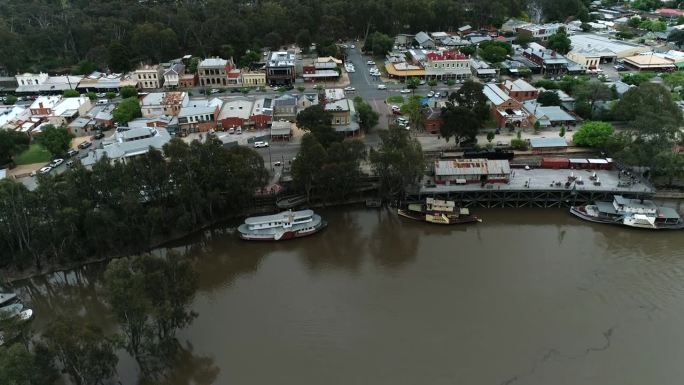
(548, 145)
(579, 163)
(555, 163)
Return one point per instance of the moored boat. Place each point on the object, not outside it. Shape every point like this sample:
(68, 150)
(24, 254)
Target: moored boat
(439, 212)
(639, 213)
(285, 225)
(7, 298)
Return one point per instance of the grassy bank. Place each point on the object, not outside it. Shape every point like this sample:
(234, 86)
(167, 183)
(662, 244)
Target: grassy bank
(34, 154)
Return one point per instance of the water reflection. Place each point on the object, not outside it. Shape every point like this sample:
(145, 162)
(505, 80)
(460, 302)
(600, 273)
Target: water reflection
(192, 369)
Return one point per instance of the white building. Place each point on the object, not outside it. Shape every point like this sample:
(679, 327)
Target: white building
(26, 79)
(127, 143)
(149, 77)
(169, 103)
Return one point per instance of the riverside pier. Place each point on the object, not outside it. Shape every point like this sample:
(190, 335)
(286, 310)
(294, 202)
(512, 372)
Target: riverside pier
(539, 188)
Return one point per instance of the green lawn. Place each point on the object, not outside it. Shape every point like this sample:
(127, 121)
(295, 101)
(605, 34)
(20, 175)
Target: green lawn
(395, 99)
(34, 154)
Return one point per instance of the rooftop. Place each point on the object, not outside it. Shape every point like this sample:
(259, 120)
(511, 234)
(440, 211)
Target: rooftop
(518, 85)
(236, 108)
(281, 59)
(495, 94)
(213, 62)
(554, 141)
(586, 41)
(472, 167)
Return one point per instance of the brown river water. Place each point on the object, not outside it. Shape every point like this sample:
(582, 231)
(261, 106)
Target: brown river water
(529, 296)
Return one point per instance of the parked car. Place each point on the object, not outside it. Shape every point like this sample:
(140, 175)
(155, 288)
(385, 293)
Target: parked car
(349, 89)
(98, 136)
(430, 94)
(214, 91)
(260, 144)
(45, 170)
(405, 91)
(353, 46)
(382, 87)
(422, 82)
(85, 144)
(56, 162)
(238, 130)
(370, 62)
(231, 130)
(70, 163)
(72, 152)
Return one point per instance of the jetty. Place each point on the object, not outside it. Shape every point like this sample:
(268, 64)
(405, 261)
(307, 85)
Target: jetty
(539, 188)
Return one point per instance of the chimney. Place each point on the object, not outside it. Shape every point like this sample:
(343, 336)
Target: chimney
(40, 104)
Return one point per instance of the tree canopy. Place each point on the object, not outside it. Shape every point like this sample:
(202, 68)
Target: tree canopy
(104, 35)
(593, 134)
(57, 140)
(495, 51)
(559, 42)
(318, 121)
(548, 98)
(398, 161)
(127, 110)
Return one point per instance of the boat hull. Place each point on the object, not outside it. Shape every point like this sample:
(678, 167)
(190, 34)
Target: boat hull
(286, 235)
(579, 212)
(452, 221)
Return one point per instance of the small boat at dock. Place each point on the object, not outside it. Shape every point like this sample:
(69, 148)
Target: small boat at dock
(438, 212)
(285, 225)
(639, 213)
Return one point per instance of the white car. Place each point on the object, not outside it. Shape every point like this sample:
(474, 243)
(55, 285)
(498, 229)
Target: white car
(349, 89)
(402, 121)
(405, 91)
(214, 91)
(430, 94)
(353, 46)
(382, 87)
(422, 82)
(260, 144)
(56, 162)
(370, 63)
(395, 108)
(45, 170)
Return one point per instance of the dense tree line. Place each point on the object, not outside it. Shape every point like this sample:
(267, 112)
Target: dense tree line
(82, 35)
(119, 208)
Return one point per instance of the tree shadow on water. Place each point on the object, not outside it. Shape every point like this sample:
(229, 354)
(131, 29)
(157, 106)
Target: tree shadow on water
(394, 242)
(341, 245)
(191, 369)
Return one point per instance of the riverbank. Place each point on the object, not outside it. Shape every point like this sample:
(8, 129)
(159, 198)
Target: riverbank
(10, 276)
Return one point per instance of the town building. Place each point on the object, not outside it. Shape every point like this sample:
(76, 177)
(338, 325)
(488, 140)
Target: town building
(102, 115)
(520, 90)
(262, 113)
(591, 58)
(463, 171)
(551, 63)
(609, 49)
(68, 109)
(307, 100)
(505, 111)
(188, 80)
(44, 105)
(322, 69)
(168, 103)
(442, 65)
(344, 117)
(102, 82)
(554, 144)
(128, 143)
(214, 72)
(172, 73)
(649, 62)
(540, 32)
(81, 126)
(44, 84)
(253, 78)
(280, 68)
(482, 69)
(281, 130)
(149, 77)
(423, 40)
(199, 116)
(235, 113)
(285, 108)
(548, 116)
